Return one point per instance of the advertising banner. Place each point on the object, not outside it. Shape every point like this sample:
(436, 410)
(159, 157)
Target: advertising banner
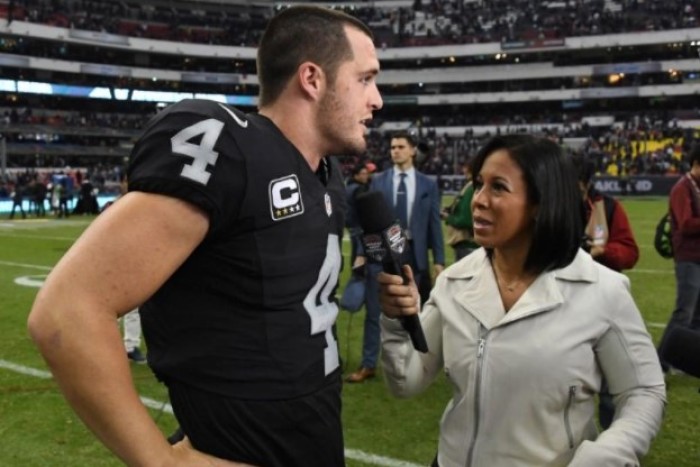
(637, 185)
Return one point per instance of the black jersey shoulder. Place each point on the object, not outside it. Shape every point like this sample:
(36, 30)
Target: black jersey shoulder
(192, 150)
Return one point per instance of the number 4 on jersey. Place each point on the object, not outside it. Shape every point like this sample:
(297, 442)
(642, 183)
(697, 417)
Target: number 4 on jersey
(202, 154)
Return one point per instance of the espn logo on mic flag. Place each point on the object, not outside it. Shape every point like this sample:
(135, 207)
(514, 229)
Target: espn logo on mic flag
(395, 239)
(374, 247)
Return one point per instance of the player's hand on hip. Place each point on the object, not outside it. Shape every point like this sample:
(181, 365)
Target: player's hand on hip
(186, 454)
(395, 298)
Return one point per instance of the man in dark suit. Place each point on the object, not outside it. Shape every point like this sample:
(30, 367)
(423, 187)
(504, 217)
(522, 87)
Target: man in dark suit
(416, 202)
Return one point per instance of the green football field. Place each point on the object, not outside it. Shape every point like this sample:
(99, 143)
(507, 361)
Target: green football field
(38, 429)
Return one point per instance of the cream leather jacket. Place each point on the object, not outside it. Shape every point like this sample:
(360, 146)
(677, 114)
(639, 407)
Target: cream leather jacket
(524, 382)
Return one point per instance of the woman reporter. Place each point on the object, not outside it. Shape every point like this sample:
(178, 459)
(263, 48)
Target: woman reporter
(525, 328)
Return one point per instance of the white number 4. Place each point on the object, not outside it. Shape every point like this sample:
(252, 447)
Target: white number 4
(202, 154)
(319, 305)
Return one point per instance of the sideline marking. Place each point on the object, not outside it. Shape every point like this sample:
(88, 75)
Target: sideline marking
(31, 281)
(650, 271)
(354, 454)
(656, 325)
(23, 265)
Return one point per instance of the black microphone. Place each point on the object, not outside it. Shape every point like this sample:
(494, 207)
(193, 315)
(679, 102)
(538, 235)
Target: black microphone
(681, 350)
(384, 242)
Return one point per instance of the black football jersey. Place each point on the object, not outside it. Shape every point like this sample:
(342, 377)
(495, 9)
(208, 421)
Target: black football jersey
(251, 312)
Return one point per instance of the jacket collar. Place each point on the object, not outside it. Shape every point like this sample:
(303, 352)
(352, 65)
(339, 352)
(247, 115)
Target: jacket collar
(544, 294)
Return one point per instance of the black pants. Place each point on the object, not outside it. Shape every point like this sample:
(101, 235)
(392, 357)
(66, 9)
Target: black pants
(301, 432)
(606, 406)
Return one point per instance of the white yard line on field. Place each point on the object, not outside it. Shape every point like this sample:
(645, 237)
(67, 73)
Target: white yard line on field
(354, 454)
(24, 265)
(650, 271)
(656, 325)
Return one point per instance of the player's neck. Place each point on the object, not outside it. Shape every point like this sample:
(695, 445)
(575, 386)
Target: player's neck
(302, 136)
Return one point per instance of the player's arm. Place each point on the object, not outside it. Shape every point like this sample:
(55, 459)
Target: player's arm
(118, 262)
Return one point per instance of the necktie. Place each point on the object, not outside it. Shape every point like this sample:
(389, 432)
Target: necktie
(402, 201)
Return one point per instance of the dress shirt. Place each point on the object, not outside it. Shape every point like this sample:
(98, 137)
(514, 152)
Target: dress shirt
(410, 182)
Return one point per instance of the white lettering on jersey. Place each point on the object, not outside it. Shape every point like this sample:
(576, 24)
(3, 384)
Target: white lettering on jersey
(242, 123)
(202, 154)
(329, 206)
(285, 198)
(318, 304)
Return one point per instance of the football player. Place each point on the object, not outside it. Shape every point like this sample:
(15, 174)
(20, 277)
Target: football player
(228, 240)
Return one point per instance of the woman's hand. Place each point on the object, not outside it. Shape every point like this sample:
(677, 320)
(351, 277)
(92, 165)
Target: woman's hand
(395, 298)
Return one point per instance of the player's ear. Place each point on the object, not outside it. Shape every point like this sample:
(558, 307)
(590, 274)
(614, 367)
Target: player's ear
(311, 80)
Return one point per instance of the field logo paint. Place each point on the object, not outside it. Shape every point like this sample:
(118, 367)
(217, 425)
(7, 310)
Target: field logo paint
(31, 281)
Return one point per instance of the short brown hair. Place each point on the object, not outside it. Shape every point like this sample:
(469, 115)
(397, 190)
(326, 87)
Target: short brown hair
(299, 34)
(405, 135)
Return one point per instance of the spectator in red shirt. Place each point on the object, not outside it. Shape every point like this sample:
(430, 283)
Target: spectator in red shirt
(609, 239)
(684, 205)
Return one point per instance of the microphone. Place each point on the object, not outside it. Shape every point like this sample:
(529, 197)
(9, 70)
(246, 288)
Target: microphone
(681, 350)
(384, 242)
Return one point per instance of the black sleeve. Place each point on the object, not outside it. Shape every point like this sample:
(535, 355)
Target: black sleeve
(188, 152)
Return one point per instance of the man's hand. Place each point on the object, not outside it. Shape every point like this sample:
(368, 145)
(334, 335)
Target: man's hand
(597, 251)
(185, 454)
(359, 262)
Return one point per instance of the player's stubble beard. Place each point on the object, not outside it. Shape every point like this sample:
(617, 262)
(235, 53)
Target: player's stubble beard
(336, 124)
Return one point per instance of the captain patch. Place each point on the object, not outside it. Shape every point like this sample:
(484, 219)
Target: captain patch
(285, 198)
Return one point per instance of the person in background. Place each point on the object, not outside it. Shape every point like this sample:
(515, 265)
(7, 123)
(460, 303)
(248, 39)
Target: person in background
(39, 194)
(608, 237)
(458, 217)
(229, 242)
(132, 336)
(357, 184)
(416, 201)
(526, 327)
(65, 196)
(17, 196)
(684, 206)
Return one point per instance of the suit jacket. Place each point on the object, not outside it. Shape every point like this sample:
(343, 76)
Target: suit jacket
(425, 224)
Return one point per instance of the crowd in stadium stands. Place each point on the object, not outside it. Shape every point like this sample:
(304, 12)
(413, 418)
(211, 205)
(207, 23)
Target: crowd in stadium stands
(27, 116)
(644, 143)
(624, 151)
(424, 23)
(73, 119)
(616, 152)
(639, 144)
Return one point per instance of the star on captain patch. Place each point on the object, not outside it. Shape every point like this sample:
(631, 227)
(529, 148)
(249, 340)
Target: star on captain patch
(329, 207)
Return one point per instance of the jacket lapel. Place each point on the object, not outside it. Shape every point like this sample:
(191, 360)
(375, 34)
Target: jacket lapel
(543, 295)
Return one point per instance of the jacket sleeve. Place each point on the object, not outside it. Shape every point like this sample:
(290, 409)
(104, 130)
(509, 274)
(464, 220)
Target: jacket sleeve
(407, 371)
(631, 366)
(621, 250)
(681, 205)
